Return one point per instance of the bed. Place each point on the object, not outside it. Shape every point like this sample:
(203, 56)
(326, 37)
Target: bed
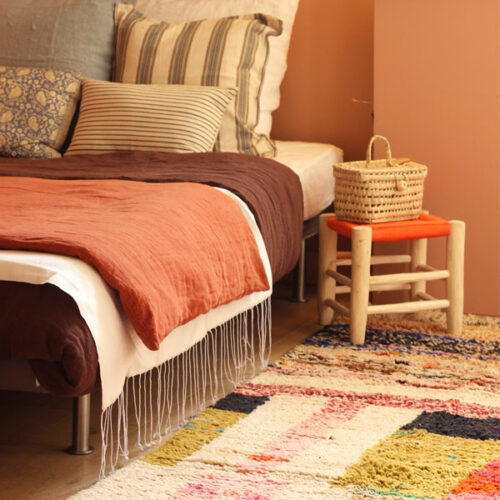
(67, 364)
(308, 160)
(68, 367)
(79, 336)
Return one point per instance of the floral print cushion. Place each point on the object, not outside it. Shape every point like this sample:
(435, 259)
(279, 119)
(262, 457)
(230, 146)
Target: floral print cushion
(36, 109)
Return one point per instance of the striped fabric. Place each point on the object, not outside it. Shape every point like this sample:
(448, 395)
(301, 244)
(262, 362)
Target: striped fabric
(165, 118)
(226, 52)
(181, 11)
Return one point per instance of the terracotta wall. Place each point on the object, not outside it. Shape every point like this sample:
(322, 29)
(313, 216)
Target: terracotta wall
(437, 98)
(436, 90)
(327, 93)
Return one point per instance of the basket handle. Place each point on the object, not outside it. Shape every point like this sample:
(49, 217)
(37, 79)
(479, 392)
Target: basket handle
(387, 150)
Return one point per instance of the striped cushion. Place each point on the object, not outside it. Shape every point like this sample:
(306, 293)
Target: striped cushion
(181, 11)
(129, 117)
(227, 52)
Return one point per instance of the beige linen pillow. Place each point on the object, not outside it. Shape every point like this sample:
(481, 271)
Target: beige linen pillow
(164, 118)
(174, 11)
(36, 108)
(70, 35)
(227, 52)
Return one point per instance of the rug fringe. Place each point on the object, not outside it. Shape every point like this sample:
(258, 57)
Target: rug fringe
(181, 384)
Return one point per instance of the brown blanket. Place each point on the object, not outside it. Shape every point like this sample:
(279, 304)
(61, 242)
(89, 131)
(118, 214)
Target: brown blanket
(42, 324)
(271, 190)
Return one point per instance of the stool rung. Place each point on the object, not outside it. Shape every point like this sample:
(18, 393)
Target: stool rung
(376, 288)
(389, 287)
(409, 307)
(376, 260)
(425, 296)
(426, 268)
(339, 277)
(337, 307)
(409, 277)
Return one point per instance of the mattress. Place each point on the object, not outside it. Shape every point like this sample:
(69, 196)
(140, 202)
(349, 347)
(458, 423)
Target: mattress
(313, 163)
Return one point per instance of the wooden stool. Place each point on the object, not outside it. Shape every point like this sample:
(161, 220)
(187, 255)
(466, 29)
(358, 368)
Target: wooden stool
(331, 282)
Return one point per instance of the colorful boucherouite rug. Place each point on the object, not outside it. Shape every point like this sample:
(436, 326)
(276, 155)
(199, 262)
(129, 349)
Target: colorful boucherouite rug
(413, 414)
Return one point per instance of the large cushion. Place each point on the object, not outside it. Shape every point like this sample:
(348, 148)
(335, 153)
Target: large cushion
(165, 118)
(36, 108)
(194, 10)
(225, 52)
(71, 35)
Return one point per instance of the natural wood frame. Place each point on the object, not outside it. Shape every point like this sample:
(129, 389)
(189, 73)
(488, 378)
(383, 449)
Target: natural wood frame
(361, 283)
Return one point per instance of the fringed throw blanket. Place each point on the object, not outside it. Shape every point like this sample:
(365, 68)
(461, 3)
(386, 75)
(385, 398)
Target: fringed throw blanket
(272, 191)
(165, 398)
(184, 258)
(169, 262)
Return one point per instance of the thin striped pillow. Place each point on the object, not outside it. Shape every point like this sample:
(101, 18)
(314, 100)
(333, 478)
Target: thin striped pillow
(165, 118)
(226, 52)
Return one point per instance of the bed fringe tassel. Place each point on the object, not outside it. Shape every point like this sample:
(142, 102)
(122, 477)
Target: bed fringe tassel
(183, 386)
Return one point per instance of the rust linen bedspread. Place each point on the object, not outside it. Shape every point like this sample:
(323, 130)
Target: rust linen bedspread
(168, 264)
(271, 191)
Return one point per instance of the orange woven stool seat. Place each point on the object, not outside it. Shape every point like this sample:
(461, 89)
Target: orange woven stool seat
(426, 226)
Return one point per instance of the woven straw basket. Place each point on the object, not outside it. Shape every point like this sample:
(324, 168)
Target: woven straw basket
(379, 190)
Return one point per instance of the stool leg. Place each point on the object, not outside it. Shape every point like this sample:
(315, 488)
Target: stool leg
(361, 255)
(418, 258)
(455, 283)
(327, 253)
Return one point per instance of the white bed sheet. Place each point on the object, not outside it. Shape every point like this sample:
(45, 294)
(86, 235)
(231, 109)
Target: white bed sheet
(121, 353)
(313, 163)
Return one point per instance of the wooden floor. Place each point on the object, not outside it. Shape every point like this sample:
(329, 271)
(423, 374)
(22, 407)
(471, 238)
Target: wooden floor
(35, 429)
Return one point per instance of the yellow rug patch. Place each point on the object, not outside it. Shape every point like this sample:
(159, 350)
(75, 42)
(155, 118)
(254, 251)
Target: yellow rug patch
(419, 464)
(199, 432)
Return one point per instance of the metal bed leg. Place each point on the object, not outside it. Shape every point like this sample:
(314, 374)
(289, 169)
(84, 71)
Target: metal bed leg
(300, 272)
(81, 427)
(310, 229)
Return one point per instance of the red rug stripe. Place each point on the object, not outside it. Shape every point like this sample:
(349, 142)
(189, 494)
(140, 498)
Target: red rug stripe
(451, 405)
